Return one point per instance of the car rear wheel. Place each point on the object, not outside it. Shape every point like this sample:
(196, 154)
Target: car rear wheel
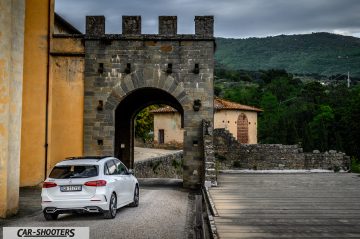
(135, 202)
(111, 213)
(50, 216)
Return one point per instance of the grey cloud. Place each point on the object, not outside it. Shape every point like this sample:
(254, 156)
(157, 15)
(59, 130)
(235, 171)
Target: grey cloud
(233, 18)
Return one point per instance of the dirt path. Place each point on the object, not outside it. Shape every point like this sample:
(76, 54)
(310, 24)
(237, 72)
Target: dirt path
(145, 153)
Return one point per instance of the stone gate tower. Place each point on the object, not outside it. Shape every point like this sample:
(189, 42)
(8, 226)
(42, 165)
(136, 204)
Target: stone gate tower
(126, 72)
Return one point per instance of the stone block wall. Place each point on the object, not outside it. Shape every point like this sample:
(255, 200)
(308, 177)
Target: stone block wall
(331, 159)
(209, 156)
(168, 166)
(231, 154)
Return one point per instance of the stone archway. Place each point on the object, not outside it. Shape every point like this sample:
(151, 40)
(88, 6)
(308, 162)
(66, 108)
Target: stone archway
(127, 72)
(243, 129)
(125, 113)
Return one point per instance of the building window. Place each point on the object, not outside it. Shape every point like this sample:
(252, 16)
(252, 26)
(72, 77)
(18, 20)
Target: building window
(161, 136)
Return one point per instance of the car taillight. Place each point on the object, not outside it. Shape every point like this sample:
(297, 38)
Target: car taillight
(49, 185)
(97, 183)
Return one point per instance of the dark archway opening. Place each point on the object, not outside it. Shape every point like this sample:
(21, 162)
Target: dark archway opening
(125, 114)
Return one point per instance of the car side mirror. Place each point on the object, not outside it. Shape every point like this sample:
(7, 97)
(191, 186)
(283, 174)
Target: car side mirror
(130, 171)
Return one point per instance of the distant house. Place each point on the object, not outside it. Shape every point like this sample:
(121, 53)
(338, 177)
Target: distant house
(240, 120)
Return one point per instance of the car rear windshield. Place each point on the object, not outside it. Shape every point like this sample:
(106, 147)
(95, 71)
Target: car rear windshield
(74, 171)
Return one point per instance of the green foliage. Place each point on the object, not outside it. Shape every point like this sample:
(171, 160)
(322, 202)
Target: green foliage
(320, 127)
(177, 164)
(217, 90)
(220, 158)
(320, 53)
(316, 116)
(355, 165)
(155, 165)
(236, 164)
(144, 123)
(336, 169)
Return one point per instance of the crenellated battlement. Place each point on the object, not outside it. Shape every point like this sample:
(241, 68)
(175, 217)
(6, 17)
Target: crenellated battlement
(131, 26)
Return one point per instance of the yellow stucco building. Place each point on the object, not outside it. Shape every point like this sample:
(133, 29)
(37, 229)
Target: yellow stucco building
(52, 116)
(240, 120)
(42, 95)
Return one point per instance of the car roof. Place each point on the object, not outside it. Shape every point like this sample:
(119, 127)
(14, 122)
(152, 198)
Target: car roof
(94, 160)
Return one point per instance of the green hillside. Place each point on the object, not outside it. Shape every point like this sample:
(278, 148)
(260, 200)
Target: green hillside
(322, 53)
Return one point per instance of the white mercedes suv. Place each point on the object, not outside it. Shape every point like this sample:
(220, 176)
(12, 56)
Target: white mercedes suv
(89, 184)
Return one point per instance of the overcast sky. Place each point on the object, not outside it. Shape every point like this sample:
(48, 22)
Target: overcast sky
(233, 18)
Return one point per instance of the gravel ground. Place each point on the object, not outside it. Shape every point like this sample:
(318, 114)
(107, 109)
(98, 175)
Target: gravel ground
(163, 213)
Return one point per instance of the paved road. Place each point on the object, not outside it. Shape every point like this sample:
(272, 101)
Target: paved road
(146, 153)
(322, 205)
(163, 212)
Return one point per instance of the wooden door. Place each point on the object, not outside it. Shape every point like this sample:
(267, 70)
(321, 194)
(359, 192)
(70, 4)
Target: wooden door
(161, 136)
(243, 129)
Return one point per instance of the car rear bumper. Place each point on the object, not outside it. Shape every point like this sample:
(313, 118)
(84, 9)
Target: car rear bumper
(87, 209)
(83, 204)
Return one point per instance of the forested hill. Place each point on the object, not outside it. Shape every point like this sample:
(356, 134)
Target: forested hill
(322, 53)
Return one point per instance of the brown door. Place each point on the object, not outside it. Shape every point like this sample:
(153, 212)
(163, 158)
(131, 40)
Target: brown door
(161, 136)
(243, 129)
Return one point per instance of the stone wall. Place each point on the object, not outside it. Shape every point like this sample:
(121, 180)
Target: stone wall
(328, 160)
(231, 154)
(209, 156)
(168, 166)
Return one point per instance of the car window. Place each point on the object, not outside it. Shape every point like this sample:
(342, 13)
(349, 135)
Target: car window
(110, 168)
(121, 168)
(74, 171)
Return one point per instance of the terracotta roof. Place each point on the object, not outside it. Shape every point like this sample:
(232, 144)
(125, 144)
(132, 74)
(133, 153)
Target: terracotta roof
(219, 104)
(166, 109)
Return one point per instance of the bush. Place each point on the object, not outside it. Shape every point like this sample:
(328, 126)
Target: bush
(336, 169)
(237, 164)
(220, 157)
(355, 165)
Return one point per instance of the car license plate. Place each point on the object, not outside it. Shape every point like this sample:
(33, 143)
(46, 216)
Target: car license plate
(70, 188)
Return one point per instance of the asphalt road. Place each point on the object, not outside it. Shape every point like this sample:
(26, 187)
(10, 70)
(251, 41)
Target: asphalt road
(163, 212)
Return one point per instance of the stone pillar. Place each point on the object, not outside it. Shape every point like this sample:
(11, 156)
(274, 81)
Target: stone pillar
(131, 25)
(11, 75)
(204, 26)
(168, 25)
(209, 155)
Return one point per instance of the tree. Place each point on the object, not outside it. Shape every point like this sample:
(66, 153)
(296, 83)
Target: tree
(144, 123)
(321, 126)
